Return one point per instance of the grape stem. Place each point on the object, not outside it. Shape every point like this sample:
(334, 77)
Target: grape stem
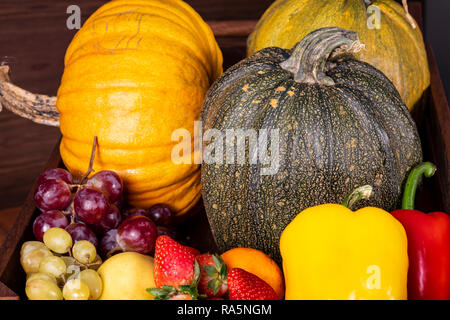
(112, 251)
(70, 212)
(91, 161)
(87, 265)
(83, 179)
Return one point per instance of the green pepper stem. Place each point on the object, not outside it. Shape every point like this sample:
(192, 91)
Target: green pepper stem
(363, 192)
(427, 169)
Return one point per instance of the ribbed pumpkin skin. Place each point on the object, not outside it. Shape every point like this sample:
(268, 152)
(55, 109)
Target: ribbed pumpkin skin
(333, 139)
(396, 48)
(135, 72)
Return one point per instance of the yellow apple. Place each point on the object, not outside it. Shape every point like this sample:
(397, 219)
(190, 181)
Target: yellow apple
(126, 276)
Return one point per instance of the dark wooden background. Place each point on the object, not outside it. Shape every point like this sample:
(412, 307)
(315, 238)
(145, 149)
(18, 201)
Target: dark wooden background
(33, 40)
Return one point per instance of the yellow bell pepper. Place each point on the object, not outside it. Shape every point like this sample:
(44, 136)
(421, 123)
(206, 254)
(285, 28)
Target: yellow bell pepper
(332, 252)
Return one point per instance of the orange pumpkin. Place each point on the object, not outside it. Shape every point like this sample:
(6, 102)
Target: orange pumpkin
(134, 73)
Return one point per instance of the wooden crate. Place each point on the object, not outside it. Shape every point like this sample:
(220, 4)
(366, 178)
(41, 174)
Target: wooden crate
(231, 34)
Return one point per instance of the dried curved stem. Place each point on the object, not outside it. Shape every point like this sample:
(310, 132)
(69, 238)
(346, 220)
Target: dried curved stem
(36, 107)
(408, 16)
(309, 57)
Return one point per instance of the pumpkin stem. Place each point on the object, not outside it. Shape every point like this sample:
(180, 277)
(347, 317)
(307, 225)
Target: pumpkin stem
(36, 107)
(363, 192)
(309, 56)
(427, 169)
(408, 16)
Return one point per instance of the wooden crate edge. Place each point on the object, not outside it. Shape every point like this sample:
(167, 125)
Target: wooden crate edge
(12, 241)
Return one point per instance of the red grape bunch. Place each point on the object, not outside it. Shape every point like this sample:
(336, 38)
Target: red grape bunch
(81, 208)
(138, 230)
(89, 208)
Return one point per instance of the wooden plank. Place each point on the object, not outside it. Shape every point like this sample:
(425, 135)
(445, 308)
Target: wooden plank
(415, 9)
(33, 39)
(6, 293)
(438, 130)
(11, 273)
(242, 28)
(24, 147)
(230, 9)
(7, 218)
(232, 28)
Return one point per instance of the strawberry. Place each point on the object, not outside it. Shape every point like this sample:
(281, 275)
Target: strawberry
(184, 292)
(181, 296)
(194, 251)
(243, 285)
(175, 270)
(213, 275)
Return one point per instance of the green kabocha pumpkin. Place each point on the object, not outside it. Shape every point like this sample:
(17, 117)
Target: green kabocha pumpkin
(340, 124)
(393, 41)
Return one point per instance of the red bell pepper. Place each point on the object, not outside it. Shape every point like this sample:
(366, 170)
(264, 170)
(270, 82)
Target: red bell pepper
(428, 243)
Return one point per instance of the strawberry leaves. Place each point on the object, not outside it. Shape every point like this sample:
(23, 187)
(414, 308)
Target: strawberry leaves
(176, 271)
(213, 279)
(197, 273)
(218, 273)
(168, 292)
(163, 293)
